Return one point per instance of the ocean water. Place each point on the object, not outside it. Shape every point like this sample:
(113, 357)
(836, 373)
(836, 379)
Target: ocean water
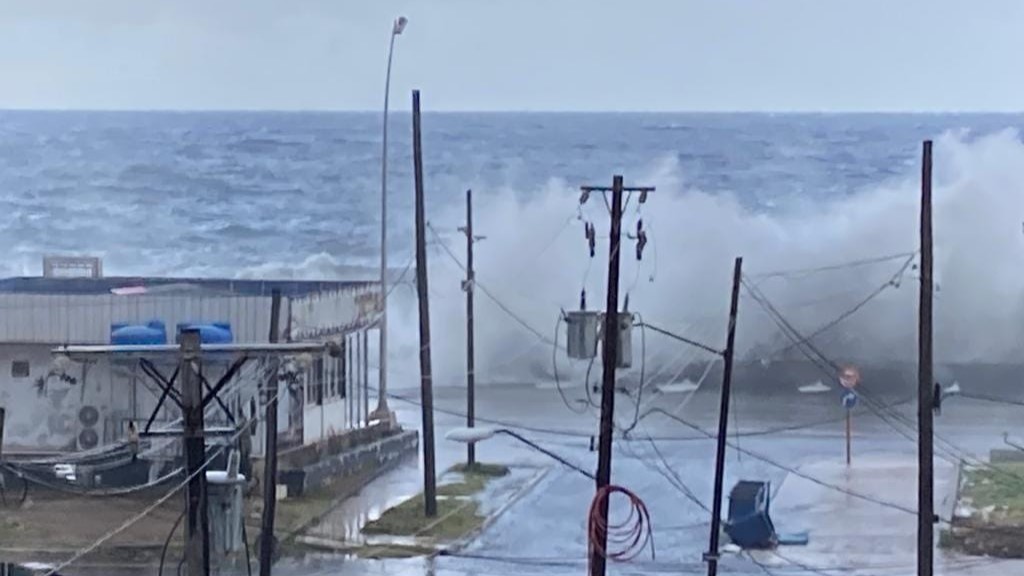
(297, 195)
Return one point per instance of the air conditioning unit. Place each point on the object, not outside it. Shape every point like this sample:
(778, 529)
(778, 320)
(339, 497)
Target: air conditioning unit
(89, 429)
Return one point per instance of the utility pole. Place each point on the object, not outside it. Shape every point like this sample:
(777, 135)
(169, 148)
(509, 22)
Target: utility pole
(3, 418)
(426, 382)
(711, 557)
(926, 400)
(469, 287)
(609, 360)
(267, 540)
(197, 550)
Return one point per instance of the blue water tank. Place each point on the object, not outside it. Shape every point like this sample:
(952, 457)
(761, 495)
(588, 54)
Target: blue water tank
(209, 332)
(152, 333)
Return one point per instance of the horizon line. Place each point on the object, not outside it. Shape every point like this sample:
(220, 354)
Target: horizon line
(793, 112)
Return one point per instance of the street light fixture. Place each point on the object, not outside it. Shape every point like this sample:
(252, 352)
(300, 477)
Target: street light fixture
(479, 434)
(382, 412)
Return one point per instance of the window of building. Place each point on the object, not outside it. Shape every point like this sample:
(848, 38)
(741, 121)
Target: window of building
(317, 381)
(20, 369)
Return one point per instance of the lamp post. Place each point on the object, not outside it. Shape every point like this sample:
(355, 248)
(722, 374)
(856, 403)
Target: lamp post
(382, 412)
(475, 434)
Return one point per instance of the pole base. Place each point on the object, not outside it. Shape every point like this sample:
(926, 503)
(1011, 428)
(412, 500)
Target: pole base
(385, 416)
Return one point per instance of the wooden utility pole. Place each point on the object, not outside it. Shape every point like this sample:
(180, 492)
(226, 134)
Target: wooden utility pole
(609, 360)
(723, 421)
(926, 400)
(197, 549)
(3, 418)
(426, 382)
(267, 540)
(469, 287)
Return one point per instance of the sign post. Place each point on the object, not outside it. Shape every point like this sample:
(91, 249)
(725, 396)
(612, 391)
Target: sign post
(849, 377)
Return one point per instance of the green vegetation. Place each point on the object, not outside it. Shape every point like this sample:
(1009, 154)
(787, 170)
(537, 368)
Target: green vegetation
(457, 507)
(455, 518)
(474, 478)
(996, 525)
(999, 485)
(393, 551)
(481, 469)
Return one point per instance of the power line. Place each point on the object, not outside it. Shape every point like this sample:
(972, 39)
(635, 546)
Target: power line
(892, 282)
(794, 471)
(948, 449)
(833, 267)
(477, 284)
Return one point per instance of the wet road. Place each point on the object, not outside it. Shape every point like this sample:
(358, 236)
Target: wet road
(544, 532)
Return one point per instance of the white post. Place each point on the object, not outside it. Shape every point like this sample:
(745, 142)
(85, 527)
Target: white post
(382, 412)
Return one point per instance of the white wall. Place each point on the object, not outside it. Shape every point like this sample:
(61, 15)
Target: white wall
(47, 417)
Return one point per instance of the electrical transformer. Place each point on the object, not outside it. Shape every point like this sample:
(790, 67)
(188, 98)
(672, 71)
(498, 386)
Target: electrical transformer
(625, 352)
(582, 328)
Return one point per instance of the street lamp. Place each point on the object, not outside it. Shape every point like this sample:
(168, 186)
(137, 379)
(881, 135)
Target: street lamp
(382, 412)
(475, 434)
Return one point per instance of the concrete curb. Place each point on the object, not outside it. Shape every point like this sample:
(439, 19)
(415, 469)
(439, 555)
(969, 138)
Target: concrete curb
(466, 540)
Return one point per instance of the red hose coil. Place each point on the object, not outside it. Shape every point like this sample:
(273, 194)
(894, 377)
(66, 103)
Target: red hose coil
(629, 537)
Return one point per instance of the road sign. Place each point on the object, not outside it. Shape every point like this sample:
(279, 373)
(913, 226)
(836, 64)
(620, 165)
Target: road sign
(849, 377)
(849, 399)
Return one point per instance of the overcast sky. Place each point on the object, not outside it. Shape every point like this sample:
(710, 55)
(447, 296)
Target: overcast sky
(827, 55)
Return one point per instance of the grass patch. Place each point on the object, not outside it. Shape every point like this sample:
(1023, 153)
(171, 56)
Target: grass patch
(455, 518)
(999, 486)
(457, 510)
(474, 478)
(996, 525)
(481, 469)
(393, 551)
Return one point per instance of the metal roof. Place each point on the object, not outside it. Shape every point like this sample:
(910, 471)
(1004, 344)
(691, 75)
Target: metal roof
(155, 285)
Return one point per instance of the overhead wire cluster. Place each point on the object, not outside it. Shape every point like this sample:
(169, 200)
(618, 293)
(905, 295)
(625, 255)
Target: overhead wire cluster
(201, 469)
(901, 424)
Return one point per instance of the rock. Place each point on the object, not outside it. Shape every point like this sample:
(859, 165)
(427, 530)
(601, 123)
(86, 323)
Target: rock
(964, 511)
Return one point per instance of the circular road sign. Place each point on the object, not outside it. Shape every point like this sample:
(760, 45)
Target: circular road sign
(849, 377)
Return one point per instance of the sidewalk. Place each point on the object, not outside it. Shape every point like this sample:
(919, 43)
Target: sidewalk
(869, 534)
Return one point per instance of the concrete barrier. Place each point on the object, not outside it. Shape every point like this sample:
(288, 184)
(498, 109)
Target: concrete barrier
(380, 455)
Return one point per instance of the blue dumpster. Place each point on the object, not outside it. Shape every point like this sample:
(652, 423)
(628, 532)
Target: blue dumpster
(748, 524)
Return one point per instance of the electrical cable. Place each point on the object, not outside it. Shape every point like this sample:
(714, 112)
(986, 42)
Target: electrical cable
(794, 471)
(55, 571)
(828, 367)
(89, 493)
(248, 554)
(167, 542)
(483, 288)
(990, 399)
(633, 534)
(893, 282)
(643, 369)
(832, 267)
(22, 470)
(945, 448)
(583, 435)
(106, 450)
(554, 367)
